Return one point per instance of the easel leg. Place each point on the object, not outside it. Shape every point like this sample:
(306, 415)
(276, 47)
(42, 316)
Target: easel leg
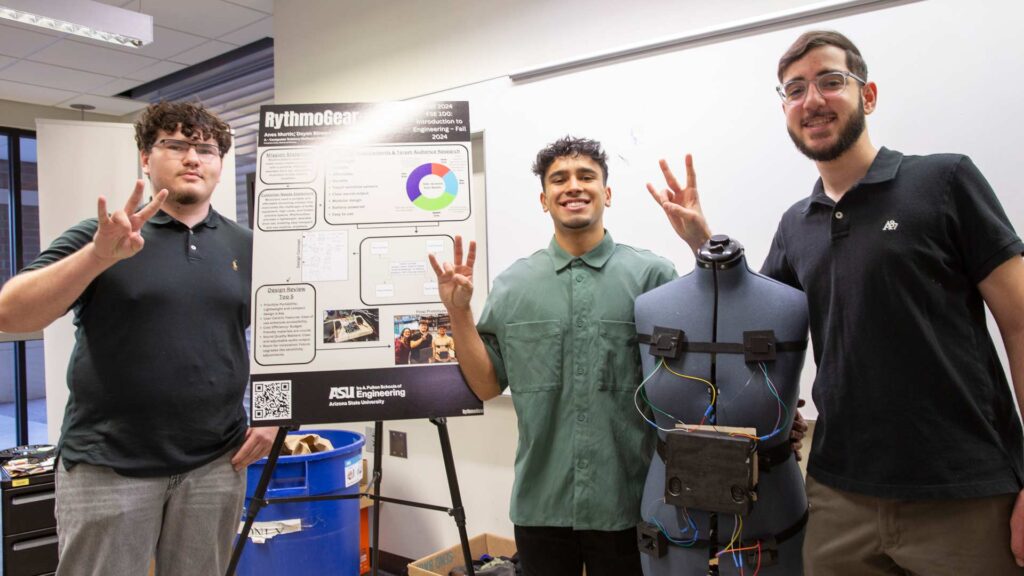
(257, 499)
(378, 455)
(453, 486)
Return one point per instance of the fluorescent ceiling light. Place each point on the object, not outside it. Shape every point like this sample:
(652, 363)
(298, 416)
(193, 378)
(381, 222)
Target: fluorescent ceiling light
(83, 18)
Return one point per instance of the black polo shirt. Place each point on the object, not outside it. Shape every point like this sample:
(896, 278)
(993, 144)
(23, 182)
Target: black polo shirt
(160, 364)
(912, 400)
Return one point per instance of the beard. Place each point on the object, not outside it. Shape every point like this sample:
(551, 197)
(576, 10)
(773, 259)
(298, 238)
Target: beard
(848, 136)
(183, 198)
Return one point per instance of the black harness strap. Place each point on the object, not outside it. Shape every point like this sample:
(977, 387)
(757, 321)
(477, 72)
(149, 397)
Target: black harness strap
(777, 538)
(757, 345)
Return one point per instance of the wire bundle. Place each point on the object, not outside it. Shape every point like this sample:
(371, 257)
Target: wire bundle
(781, 419)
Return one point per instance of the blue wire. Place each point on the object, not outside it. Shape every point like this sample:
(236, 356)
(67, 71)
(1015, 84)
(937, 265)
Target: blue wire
(775, 393)
(683, 543)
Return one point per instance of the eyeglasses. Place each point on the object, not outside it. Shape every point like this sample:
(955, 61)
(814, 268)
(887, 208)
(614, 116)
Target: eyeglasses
(828, 84)
(207, 152)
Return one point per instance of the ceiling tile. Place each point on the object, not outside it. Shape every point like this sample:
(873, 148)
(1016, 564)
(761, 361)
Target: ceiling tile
(39, 74)
(166, 43)
(261, 5)
(89, 58)
(201, 17)
(251, 33)
(32, 94)
(17, 42)
(203, 52)
(115, 87)
(105, 105)
(49, 68)
(158, 70)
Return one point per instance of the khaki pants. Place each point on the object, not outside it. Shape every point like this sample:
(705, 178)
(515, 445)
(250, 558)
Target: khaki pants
(855, 535)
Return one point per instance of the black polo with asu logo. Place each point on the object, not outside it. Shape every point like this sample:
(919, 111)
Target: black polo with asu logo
(160, 365)
(912, 399)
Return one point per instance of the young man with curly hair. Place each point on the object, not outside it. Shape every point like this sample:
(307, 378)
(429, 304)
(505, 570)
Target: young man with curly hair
(154, 443)
(558, 330)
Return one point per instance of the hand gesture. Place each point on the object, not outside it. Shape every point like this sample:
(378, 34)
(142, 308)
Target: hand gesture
(455, 280)
(257, 444)
(682, 205)
(119, 235)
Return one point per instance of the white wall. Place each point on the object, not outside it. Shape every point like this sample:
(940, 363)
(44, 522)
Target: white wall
(22, 115)
(367, 50)
(363, 50)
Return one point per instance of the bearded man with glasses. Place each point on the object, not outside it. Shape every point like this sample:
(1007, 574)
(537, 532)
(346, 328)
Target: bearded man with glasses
(917, 460)
(154, 443)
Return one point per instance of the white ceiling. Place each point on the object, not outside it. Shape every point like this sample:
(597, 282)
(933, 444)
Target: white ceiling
(53, 69)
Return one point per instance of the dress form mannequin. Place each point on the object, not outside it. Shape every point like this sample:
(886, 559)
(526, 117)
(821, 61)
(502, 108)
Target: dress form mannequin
(716, 303)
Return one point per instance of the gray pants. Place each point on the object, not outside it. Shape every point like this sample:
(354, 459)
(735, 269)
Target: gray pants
(112, 525)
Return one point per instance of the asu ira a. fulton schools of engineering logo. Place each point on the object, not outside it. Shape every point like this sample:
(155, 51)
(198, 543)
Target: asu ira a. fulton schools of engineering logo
(364, 395)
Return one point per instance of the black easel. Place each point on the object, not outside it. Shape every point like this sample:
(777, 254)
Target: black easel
(259, 499)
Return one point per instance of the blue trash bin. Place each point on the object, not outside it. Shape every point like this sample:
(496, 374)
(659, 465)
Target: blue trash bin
(327, 539)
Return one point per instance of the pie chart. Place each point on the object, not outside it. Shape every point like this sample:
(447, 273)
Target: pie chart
(432, 187)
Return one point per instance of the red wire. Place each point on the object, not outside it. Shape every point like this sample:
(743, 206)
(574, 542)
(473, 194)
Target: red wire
(758, 569)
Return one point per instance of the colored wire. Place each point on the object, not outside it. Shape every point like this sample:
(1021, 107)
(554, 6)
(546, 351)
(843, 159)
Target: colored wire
(691, 527)
(779, 418)
(736, 531)
(739, 563)
(682, 543)
(642, 392)
(714, 392)
(782, 405)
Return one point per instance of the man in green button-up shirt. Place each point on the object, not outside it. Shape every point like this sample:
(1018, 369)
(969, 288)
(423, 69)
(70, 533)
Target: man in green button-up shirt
(558, 330)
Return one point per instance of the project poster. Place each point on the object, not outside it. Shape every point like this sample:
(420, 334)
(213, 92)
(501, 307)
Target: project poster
(350, 199)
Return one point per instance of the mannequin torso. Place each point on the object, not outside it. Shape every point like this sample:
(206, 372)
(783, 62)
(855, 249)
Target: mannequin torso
(716, 303)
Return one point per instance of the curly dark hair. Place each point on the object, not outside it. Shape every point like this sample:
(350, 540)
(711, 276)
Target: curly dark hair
(570, 146)
(816, 39)
(191, 117)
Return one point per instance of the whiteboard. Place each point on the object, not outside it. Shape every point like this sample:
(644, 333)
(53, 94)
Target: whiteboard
(949, 78)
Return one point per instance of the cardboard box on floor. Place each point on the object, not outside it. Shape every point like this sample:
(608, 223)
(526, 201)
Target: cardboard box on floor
(441, 563)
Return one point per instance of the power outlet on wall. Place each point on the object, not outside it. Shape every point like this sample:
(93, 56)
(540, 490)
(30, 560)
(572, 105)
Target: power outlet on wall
(399, 447)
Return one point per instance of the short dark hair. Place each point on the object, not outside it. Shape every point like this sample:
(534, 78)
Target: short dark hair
(816, 39)
(569, 146)
(191, 117)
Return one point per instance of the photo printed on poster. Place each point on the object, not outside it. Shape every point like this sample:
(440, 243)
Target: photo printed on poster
(347, 322)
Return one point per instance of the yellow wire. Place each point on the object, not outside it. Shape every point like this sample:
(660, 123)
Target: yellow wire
(714, 393)
(737, 530)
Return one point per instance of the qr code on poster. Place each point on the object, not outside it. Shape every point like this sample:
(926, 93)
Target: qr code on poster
(272, 400)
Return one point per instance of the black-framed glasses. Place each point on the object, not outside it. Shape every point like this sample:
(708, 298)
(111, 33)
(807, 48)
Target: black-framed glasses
(206, 152)
(828, 84)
